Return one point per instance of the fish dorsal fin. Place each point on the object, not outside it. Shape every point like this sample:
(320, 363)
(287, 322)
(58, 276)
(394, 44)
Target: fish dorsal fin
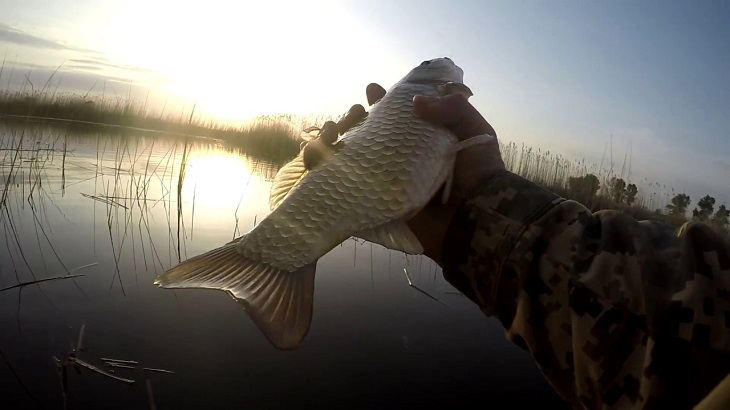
(286, 179)
(394, 235)
(309, 133)
(457, 88)
(279, 302)
(313, 154)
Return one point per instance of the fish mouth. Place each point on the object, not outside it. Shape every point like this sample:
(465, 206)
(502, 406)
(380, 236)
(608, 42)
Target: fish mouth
(436, 71)
(434, 81)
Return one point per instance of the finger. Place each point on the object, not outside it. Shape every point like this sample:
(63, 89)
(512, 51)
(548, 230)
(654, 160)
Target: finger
(453, 112)
(374, 93)
(314, 153)
(356, 114)
(328, 133)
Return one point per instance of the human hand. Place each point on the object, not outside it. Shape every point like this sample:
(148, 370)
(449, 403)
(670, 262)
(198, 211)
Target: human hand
(472, 166)
(475, 163)
(324, 143)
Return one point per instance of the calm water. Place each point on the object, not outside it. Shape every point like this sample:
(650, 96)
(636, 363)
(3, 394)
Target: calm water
(118, 209)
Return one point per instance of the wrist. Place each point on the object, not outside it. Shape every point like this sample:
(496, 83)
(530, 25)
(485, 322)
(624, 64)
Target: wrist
(485, 231)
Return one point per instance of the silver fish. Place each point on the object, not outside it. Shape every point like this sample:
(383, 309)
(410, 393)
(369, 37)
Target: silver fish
(387, 169)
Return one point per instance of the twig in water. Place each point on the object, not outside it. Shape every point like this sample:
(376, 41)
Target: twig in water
(18, 285)
(158, 370)
(73, 359)
(81, 338)
(150, 396)
(119, 365)
(62, 378)
(98, 370)
(410, 283)
(119, 361)
(104, 200)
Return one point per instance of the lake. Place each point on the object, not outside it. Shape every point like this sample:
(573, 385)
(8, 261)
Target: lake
(120, 208)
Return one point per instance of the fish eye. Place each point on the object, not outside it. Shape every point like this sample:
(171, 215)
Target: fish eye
(448, 58)
(427, 62)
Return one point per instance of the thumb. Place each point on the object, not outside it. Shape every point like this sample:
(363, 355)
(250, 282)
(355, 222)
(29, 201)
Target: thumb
(453, 112)
(433, 110)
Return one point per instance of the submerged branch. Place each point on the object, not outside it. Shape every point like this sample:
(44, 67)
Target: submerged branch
(104, 200)
(106, 359)
(33, 282)
(98, 370)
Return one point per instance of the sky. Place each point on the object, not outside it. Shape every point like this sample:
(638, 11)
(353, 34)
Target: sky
(589, 80)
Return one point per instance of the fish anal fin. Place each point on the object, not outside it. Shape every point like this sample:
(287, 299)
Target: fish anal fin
(279, 302)
(286, 180)
(394, 235)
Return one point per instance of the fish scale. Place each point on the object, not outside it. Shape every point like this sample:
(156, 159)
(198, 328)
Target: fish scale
(365, 197)
(386, 169)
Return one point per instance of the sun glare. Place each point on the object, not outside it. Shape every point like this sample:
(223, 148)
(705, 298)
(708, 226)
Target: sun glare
(236, 60)
(216, 180)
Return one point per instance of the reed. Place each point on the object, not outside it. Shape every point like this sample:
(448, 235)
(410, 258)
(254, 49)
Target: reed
(274, 139)
(271, 137)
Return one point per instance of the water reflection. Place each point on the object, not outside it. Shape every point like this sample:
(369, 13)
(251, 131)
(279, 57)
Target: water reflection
(127, 207)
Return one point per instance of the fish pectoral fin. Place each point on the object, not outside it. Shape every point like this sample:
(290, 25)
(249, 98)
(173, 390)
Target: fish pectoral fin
(457, 88)
(475, 140)
(286, 179)
(279, 302)
(394, 235)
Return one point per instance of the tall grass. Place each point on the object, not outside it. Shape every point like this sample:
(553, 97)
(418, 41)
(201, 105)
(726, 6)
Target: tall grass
(274, 139)
(554, 172)
(270, 137)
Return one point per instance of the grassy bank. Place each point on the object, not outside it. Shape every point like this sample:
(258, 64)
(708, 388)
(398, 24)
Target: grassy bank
(272, 137)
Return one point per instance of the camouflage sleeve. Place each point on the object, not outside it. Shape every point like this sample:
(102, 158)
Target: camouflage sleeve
(616, 313)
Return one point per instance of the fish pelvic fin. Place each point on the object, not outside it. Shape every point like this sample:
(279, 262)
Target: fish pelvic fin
(279, 302)
(395, 235)
(286, 180)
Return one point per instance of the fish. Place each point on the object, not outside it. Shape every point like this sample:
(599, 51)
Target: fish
(385, 170)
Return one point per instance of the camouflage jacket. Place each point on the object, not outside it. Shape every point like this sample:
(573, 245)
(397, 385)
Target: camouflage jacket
(617, 313)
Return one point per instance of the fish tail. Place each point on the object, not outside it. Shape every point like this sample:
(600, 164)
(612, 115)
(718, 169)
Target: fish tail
(279, 302)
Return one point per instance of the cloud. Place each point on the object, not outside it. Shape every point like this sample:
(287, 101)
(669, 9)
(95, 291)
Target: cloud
(78, 65)
(31, 76)
(101, 63)
(13, 35)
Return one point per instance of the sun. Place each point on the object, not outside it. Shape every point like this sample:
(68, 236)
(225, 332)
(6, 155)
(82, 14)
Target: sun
(237, 60)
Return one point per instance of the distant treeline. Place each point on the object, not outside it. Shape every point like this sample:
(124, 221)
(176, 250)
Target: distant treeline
(598, 188)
